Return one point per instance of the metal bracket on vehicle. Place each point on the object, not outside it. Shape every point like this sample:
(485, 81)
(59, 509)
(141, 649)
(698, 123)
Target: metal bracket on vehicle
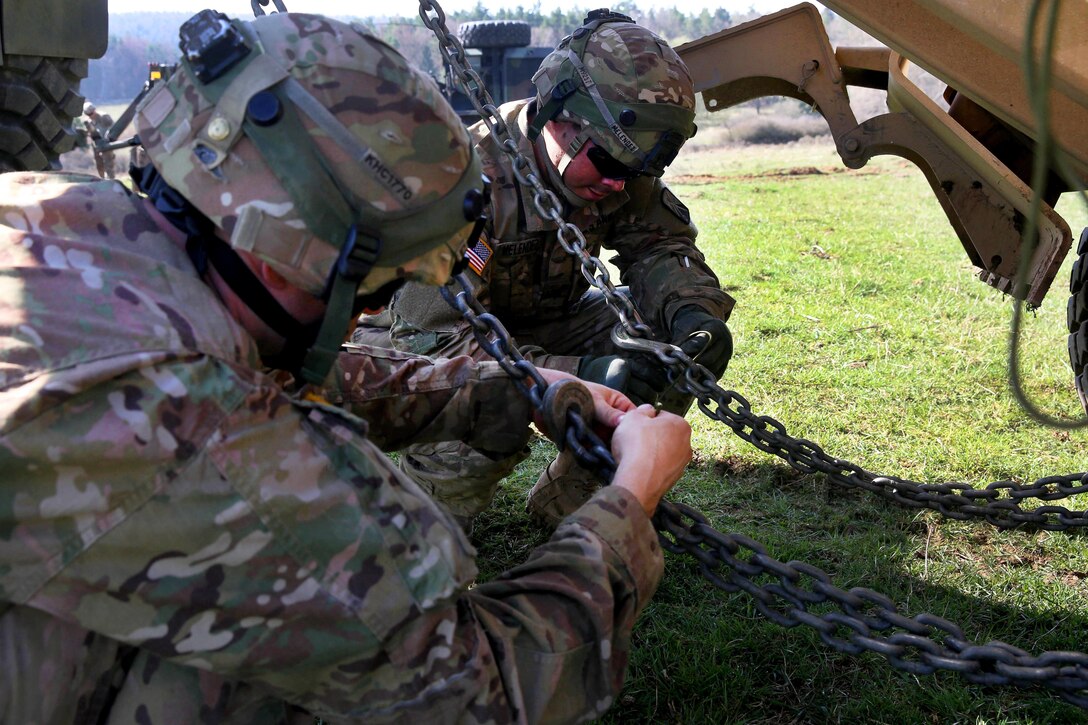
(789, 54)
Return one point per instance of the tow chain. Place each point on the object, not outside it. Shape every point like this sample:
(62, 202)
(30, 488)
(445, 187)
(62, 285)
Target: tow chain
(998, 504)
(796, 593)
(793, 593)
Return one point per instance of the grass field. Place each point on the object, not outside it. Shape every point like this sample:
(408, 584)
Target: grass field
(859, 325)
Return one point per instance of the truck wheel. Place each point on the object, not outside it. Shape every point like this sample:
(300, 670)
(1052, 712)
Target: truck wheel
(1076, 317)
(39, 97)
(495, 34)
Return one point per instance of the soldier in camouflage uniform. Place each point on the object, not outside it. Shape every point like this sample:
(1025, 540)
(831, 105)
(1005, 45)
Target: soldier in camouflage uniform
(181, 539)
(95, 126)
(614, 105)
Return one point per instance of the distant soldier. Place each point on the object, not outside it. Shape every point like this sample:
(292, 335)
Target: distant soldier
(95, 127)
(613, 106)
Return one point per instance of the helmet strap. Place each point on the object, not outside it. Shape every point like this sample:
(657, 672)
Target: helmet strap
(358, 255)
(297, 337)
(206, 250)
(324, 347)
(572, 150)
(550, 110)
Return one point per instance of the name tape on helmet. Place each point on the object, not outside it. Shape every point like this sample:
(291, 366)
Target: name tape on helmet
(591, 88)
(386, 176)
(624, 139)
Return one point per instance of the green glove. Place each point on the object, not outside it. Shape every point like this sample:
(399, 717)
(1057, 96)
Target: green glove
(608, 370)
(713, 354)
(614, 371)
(711, 347)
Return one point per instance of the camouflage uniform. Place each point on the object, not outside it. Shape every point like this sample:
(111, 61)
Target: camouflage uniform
(539, 293)
(182, 540)
(164, 549)
(95, 127)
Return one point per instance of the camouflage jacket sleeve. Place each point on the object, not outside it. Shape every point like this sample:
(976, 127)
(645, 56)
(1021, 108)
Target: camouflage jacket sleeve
(655, 240)
(413, 399)
(191, 510)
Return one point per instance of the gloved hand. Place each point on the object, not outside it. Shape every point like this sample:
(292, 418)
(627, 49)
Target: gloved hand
(712, 349)
(616, 372)
(713, 354)
(612, 371)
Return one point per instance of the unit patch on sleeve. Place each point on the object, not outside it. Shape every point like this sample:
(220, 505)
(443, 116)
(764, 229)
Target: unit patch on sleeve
(675, 205)
(478, 255)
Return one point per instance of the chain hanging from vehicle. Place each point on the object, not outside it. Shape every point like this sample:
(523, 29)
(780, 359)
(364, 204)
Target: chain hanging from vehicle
(790, 593)
(1037, 66)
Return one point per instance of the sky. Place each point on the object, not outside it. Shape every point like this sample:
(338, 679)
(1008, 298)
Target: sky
(366, 8)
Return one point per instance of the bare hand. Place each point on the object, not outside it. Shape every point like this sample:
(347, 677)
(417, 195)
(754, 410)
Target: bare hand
(609, 405)
(651, 449)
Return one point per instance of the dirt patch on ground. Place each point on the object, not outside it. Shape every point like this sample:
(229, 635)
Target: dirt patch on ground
(793, 172)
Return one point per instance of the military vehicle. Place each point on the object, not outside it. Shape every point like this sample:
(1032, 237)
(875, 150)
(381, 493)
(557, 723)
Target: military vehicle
(499, 51)
(977, 155)
(44, 49)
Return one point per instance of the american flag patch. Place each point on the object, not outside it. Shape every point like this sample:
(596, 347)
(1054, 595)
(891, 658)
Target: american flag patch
(478, 255)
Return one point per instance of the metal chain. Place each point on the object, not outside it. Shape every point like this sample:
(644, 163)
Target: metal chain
(999, 503)
(861, 619)
(789, 594)
(795, 593)
(544, 199)
(586, 446)
(258, 7)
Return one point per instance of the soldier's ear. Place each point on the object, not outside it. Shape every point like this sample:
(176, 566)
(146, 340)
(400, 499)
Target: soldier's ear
(270, 277)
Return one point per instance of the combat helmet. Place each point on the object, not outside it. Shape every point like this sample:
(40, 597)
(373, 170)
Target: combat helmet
(88, 108)
(628, 89)
(315, 147)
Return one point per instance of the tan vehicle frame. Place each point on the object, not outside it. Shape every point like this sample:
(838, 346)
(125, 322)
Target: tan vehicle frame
(975, 48)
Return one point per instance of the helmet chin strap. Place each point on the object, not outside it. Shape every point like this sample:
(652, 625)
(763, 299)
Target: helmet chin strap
(297, 337)
(206, 250)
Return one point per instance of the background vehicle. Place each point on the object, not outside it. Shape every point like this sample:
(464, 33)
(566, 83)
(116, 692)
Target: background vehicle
(44, 49)
(499, 51)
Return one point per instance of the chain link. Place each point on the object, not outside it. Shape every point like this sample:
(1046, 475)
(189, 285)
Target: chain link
(859, 620)
(586, 446)
(793, 593)
(546, 202)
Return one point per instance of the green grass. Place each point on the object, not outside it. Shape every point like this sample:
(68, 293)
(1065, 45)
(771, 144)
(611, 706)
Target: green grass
(859, 325)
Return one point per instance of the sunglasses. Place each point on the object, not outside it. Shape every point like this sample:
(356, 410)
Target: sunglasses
(609, 167)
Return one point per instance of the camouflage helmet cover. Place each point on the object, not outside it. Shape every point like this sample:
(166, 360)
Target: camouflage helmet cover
(645, 87)
(291, 200)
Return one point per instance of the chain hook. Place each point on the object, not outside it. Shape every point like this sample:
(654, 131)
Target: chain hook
(259, 6)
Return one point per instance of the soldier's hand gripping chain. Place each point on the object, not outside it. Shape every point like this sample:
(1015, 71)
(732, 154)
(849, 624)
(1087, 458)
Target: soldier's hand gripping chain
(702, 336)
(692, 324)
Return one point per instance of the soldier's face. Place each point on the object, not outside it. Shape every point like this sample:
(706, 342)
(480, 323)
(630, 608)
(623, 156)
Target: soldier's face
(584, 178)
(580, 176)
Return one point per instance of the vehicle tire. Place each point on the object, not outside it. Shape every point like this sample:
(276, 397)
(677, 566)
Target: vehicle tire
(495, 34)
(1076, 317)
(39, 97)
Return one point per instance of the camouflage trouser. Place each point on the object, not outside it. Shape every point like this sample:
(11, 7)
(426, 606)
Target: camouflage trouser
(462, 478)
(103, 162)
